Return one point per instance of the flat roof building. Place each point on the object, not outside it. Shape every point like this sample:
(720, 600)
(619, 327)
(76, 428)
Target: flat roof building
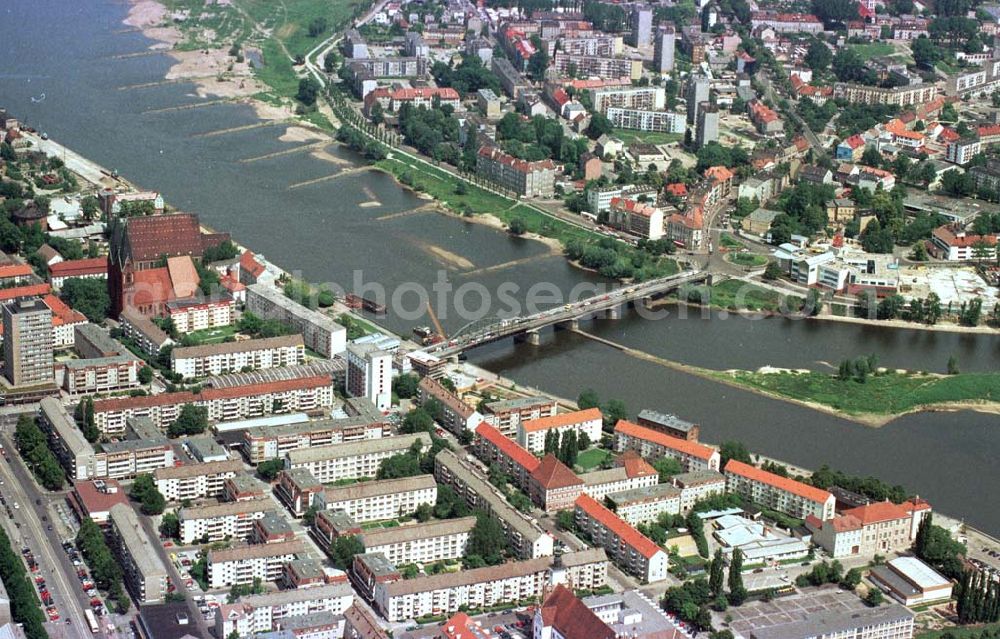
(145, 574)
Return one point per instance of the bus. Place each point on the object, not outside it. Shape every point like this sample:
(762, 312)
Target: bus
(91, 621)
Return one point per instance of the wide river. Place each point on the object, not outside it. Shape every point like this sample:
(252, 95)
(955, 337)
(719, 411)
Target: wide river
(342, 229)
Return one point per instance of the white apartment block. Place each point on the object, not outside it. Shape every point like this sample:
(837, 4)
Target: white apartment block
(216, 522)
(378, 500)
(423, 543)
(144, 572)
(507, 414)
(261, 444)
(329, 464)
(131, 457)
(319, 332)
(645, 505)
(223, 404)
(653, 444)
(100, 375)
(195, 481)
(481, 587)
(243, 564)
(189, 317)
(641, 98)
(369, 374)
(234, 357)
(697, 486)
(531, 433)
(778, 493)
(644, 120)
(601, 483)
(264, 613)
(632, 551)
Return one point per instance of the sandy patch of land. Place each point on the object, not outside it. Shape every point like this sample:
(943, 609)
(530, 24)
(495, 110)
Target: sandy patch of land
(145, 13)
(370, 204)
(302, 134)
(446, 257)
(326, 156)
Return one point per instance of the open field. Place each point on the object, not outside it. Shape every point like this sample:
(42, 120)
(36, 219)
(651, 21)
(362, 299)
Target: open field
(873, 49)
(737, 295)
(629, 136)
(591, 459)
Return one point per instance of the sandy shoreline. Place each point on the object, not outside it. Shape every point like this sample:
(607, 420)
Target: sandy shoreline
(942, 328)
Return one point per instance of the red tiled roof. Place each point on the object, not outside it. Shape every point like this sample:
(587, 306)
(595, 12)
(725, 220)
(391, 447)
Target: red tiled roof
(30, 290)
(552, 474)
(629, 535)
(76, 268)
(877, 512)
(149, 238)
(718, 173)
(250, 264)
(693, 449)
(507, 446)
(522, 166)
(677, 188)
(805, 491)
(462, 626)
(15, 270)
(632, 206)
(635, 465)
(562, 419)
(185, 397)
(61, 313)
(152, 286)
(571, 618)
(950, 237)
(95, 501)
(855, 141)
(445, 93)
(183, 275)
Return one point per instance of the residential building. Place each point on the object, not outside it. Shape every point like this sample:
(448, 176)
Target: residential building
(985, 177)
(840, 210)
(778, 493)
(88, 268)
(393, 100)
(445, 593)
(631, 472)
(143, 570)
(329, 464)
(906, 95)
(653, 444)
(873, 529)
(553, 486)
(298, 490)
(636, 218)
(645, 505)
(199, 313)
(640, 26)
(195, 481)
(697, 94)
(94, 498)
(147, 451)
(527, 540)
(765, 118)
(100, 375)
(269, 611)
(493, 448)
(641, 120)
(221, 520)
(698, 485)
(64, 322)
(506, 414)
(953, 243)
(378, 500)
(707, 129)
(597, 66)
(632, 551)
(511, 80)
(261, 444)
(243, 564)
(456, 415)
(488, 103)
(649, 98)
(526, 179)
(74, 452)
(28, 342)
(884, 622)
(531, 433)
(233, 357)
(223, 404)
(911, 582)
(143, 332)
(369, 374)
(361, 624)
(668, 424)
(786, 22)
(319, 332)
(664, 44)
(426, 543)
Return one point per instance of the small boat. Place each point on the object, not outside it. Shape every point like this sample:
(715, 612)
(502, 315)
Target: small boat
(40, 98)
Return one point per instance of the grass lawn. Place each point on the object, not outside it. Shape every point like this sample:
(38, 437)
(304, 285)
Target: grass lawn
(739, 295)
(888, 394)
(592, 458)
(873, 49)
(958, 633)
(213, 335)
(629, 136)
(746, 259)
(729, 241)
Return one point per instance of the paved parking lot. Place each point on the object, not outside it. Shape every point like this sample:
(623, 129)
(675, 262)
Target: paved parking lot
(793, 608)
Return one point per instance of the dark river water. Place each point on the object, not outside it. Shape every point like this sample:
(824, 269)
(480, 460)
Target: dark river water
(71, 51)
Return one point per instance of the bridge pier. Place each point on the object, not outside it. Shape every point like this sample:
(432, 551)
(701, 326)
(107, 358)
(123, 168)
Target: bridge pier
(613, 312)
(571, 324)
(530, 336)
(647, 302)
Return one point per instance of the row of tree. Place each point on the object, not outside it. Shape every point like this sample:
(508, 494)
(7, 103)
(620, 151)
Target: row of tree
(34, 450)
(23, 602)
(978, 598)
(104, 568)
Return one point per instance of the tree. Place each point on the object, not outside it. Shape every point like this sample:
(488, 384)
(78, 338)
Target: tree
(268, 470)
(733, 449)
(449, 505)
(818, 57)
(925, 53)
(834, 11)
(192, 420)
(851, 579)
(667, 467)
(417, 421)
(874, 597)
(330, 61)
(406, 385)
(84, 414)
(145, 375)
(953, 366)
(343, 549)
(565, 520)
(614, 410)
(517, 225)
(737, 593)
(377, 114)
(716, 574)
(145, 492)
(772, 271)
(87, 295)
(588, 399)
(849, 67)
(170, 526)
(599, 125)
(317, 27)
(538, 63)
(308, 91)
(487, 540)
(423, 513)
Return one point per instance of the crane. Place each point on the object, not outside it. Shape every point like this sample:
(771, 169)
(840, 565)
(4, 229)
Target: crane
(437, 324)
